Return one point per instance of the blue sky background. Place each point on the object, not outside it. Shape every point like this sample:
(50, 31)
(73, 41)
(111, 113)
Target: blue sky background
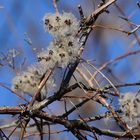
(19, 19)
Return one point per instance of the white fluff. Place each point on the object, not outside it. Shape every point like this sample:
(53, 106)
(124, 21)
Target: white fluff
(61, 52)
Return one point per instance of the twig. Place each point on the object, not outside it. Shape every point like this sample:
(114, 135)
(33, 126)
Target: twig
(114, 60)
(116, 29)
(24, 124)
(55, 6)
(17, 94)
(42, 83)
(122, 12)
(97, 12)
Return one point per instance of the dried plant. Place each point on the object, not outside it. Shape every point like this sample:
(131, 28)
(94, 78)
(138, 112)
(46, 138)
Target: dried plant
(61, 75)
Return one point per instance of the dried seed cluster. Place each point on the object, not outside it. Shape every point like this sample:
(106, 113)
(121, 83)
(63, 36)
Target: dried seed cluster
(62, 51)
(130, 106)
(61, 25)
(28, 81)
(64, 48)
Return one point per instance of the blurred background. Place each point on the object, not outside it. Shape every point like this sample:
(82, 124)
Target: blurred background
(22, 36)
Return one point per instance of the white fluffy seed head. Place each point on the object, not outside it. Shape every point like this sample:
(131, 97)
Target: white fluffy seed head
(63, 50)
(130, 106)
(64, 24)
(45, 59)
(28, 81)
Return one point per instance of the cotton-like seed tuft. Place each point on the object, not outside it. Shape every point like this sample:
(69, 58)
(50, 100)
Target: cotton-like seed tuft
(63, 50)
(64, 24)
(130, 106)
